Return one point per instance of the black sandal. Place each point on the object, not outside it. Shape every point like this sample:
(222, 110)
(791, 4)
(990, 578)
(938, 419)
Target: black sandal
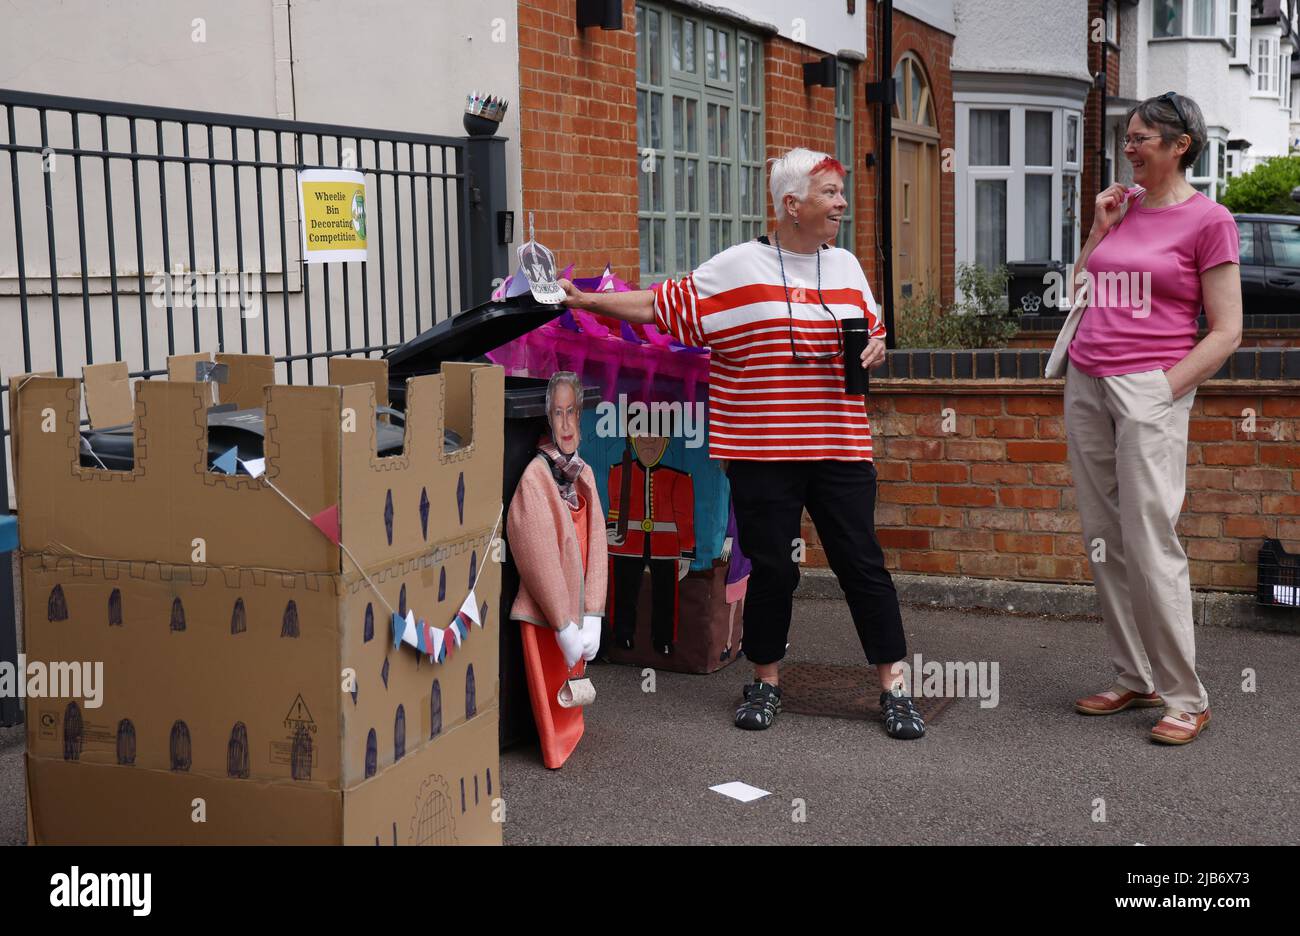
(762, 703)
(901, 716)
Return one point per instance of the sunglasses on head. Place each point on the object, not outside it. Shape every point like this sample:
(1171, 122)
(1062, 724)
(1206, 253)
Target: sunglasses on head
(1173, 102)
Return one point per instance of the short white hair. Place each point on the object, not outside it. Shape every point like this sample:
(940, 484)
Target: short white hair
(792, 173)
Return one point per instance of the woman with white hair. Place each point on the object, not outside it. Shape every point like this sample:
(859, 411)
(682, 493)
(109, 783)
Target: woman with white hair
(771, 312)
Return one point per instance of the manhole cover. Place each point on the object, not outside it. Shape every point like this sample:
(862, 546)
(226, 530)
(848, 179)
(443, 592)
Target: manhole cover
(835, 691)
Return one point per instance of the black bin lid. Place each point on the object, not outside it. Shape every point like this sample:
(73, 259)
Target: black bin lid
(469, 335)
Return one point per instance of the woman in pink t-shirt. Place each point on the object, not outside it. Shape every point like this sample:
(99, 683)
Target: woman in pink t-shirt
(1158, 253)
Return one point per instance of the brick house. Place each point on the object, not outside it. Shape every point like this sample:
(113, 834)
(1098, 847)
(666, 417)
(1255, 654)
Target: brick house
(645, 146)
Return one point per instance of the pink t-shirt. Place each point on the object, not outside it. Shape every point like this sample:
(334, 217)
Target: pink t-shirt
(1147, 286)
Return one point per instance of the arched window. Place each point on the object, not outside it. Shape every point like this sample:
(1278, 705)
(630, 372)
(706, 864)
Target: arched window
(435, 710)
(237, 752)
(388, 516)
(300, 758)
(442, 584)
(471, 704)
(73, 732)
(57, 606)
(125, 742)
(369, 633)
(180, 746)
(115, 608)
(399, 734)
(238, 618)
(372, 754)
(401, 602)
(912, 101)
(178, 614)
(289, 626)
(473, 567)
(424, 513)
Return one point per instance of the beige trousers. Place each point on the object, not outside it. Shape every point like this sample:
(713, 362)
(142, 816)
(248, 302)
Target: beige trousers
(1128, 453)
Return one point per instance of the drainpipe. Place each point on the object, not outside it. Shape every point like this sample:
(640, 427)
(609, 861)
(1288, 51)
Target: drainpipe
(882, 92)
(1101, 145)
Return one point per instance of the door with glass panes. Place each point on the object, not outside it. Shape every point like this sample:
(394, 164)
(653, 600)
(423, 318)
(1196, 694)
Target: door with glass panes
(915, 142)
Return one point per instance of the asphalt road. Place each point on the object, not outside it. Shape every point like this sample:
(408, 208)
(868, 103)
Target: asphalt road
(1028, 771)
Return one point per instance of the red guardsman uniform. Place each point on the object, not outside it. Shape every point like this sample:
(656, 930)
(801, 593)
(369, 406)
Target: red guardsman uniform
(657, 528)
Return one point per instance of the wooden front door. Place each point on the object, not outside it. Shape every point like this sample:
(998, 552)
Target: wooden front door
(916, 228)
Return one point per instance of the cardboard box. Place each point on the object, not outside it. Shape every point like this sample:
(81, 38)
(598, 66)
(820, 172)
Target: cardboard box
(320, 452)
(264, 680)
(444, 794)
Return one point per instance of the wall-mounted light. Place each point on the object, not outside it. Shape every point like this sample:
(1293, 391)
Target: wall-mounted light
(607, 14)
(820, 72)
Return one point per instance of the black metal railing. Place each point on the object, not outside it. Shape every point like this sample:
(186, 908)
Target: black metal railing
(186, 234)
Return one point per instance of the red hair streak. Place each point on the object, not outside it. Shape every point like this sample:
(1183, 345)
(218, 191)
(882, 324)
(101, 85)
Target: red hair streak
(828, 164)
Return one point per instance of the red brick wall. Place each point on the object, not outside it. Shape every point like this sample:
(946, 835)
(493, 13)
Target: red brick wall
(577, 112)
(995, 498)
(578, 131)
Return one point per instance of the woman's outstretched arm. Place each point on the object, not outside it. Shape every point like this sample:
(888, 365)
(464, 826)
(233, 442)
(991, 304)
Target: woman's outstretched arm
(637, 306)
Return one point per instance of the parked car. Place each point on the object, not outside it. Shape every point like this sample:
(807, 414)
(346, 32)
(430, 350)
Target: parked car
(1270, 264)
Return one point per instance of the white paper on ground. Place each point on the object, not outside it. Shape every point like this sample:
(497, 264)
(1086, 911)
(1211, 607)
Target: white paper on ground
(741, 791)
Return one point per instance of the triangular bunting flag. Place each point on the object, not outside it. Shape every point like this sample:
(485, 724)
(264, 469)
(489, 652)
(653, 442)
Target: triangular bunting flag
(421, 633)
(226, 463)
(399, 627)
(327, 521)
(435, 645)
(469, 610)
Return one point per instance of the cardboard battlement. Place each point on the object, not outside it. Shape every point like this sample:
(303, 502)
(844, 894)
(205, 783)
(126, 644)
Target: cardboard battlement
(320, 451)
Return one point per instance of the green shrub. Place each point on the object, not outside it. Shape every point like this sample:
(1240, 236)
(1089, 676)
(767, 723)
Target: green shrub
(1266, 189)
(979, 319)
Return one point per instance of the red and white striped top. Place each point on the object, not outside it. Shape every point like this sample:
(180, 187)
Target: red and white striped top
(764, 405)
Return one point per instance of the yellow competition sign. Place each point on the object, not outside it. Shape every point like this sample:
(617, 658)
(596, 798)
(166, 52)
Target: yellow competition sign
(332, 204)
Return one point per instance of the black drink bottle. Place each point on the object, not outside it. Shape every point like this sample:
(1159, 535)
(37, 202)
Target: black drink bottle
(855, 342)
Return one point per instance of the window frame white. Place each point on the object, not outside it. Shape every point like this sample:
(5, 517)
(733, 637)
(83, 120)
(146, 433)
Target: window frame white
(1212, 184)
(1265, 61)
(1284, 80)
(1239, 37)
(1187, 20)
(1015, 173)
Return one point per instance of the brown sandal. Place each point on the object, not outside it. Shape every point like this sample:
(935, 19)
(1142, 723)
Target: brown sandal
(1180, 727)
(1116, 700)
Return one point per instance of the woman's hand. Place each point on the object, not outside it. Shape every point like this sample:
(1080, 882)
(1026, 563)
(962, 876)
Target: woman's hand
(1109, 209)
(874, 353)
(574, 297)
(569, 638)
